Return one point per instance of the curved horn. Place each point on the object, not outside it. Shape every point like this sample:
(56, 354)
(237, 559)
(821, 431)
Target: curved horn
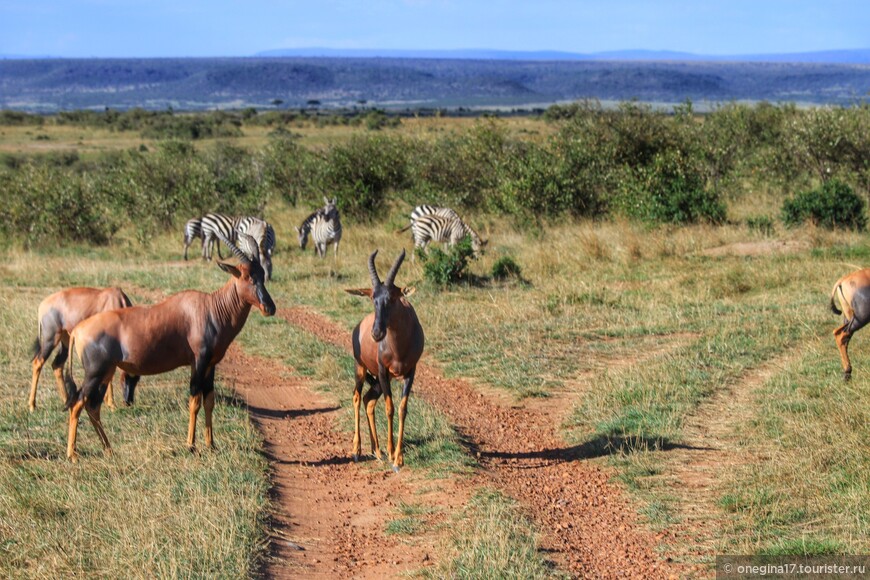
(391, 276)
(252, 248)
(239, 253)
(376, 281)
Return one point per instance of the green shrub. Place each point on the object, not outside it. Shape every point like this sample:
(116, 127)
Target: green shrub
(833, 205)
(669, 190)
(446, 268)
(362, 171)
(506, 267)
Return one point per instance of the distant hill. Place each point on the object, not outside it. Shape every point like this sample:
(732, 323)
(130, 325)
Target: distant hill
(857, 56)
(48, 85)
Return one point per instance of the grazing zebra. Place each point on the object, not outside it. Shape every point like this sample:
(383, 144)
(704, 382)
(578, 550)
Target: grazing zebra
(422, 210)
(326, 228)
(436, 228)
(263, 234)
(217, 225)
(192, 229)
(304, 228)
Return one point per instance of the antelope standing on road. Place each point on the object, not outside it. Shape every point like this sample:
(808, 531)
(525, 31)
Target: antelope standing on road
(189, 328)
(386, 344)
(56, 317)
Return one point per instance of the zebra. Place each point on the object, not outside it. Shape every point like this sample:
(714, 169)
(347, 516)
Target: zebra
(422, 210)
(326, 228)
(437, 228)
(264, 235)
(192, 229)
(304, 229)
(216, 225)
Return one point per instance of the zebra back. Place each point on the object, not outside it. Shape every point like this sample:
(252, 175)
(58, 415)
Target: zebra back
(218, 223)
(437, 228)
(422, 210)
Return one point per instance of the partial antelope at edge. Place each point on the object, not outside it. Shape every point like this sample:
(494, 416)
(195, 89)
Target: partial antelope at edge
(387, 344)
(56, 316)
(852, 294)
(188, 328)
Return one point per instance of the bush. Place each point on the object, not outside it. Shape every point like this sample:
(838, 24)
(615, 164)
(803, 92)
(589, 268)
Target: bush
(670, 190)
(447, 268)
(361, 172)
(506, 267)
(833, 205)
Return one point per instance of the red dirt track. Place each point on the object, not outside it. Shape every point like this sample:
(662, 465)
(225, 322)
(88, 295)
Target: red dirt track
(589, 529)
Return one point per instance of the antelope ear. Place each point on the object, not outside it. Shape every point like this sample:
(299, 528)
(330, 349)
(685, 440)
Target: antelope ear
(359, 291)
(230, 269)
(408, 290)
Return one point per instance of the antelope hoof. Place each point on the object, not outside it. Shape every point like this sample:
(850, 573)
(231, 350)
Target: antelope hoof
(356, 457)
(74, 458)
(108, 452)
(32, 408)
(847, 376)
(396, 468)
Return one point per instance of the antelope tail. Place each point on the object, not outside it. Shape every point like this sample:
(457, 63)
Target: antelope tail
(834, 308)
(404, 229)
(37, 344)
(72, 391)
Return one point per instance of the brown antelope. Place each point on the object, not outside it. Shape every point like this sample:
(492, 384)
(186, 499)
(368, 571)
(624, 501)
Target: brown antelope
(853, 294)
(189, 328)
(56, 317)
(386, 344)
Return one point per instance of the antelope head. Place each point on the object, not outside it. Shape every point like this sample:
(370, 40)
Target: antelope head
(249, 275)
(384, 295)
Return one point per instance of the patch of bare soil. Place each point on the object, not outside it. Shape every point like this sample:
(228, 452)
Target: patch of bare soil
(589, 527)
(328, 514)
(764, 248)
(695, 470)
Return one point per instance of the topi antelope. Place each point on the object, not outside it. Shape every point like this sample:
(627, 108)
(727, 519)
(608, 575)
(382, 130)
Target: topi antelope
(386, 344)
(189, 328)
(853, 294)
(56, 317)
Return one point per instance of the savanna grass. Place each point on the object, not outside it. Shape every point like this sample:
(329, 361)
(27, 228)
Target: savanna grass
(151, 508)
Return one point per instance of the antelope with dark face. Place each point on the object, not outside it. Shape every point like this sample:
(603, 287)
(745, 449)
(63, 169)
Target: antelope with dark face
(852, 292)
(57, 316)
(386, 345)
(190, 328)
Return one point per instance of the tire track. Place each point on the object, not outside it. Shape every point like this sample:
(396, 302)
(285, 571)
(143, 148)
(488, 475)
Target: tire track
(328, 515)
(589, 527)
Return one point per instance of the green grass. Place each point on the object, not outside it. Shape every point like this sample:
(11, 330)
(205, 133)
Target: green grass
(431, 443)
(491, 538)
(150, 509)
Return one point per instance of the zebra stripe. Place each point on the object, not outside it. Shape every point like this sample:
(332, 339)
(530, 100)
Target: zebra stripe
(436, 228)
(215, 225)
(422, 210)
(192, 229)
(304, 228)
(326, 229)
(264, 235)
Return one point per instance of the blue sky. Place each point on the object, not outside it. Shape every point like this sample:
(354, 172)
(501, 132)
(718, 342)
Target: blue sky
(158, 28)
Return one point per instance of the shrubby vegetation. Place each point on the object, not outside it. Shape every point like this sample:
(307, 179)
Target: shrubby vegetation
(631, 161)
(833, 205)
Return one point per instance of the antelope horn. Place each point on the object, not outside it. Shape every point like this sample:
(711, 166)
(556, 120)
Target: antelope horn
(391, 276)
(252, 248)
(239, 253)
(376, 281)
